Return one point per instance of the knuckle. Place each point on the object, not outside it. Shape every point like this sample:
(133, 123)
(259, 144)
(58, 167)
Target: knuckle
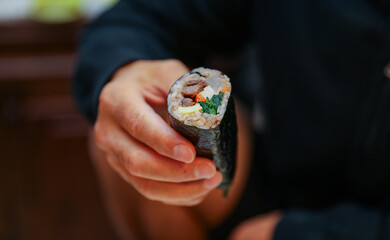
(104, 94)
(131, 160)
(107, 92)
(109, 97)
(160, 141)
(169, 66)
(100, 135)
(173, 64)
(136, 123)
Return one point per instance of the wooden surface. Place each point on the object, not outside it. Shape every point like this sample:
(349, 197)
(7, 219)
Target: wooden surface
(48, 188)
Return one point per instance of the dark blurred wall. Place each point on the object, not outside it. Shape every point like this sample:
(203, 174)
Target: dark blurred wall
(48, 189)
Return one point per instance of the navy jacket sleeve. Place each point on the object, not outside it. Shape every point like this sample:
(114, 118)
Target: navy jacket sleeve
(346, 221)
(153, 29)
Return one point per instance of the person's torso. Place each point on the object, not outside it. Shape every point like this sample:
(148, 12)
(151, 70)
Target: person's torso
(327, 99)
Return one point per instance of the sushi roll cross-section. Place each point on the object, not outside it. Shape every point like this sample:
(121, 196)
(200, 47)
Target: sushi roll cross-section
(201, 108)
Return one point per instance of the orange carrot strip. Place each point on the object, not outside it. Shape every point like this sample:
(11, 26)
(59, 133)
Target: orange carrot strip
(226, 88)
(199, 98)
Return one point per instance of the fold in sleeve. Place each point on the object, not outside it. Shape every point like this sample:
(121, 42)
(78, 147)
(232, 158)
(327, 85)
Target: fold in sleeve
(153, 29)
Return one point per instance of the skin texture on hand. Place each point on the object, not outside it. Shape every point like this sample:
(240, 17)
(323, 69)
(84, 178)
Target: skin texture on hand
(140, 146)
(261, 227)
(147, 189)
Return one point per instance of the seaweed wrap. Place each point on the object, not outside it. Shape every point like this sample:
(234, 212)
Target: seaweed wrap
(201, 108)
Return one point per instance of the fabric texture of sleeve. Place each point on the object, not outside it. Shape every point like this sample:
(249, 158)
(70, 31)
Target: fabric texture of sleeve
(348, 221)
(153, 29)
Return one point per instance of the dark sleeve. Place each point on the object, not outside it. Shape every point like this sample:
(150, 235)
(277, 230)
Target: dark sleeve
(154, 29)
(348, 221)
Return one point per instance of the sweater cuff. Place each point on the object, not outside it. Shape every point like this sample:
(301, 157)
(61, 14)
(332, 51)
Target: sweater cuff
(344, 221)
(297, 225)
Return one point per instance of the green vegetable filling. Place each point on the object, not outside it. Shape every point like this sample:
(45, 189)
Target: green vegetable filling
(211, 105)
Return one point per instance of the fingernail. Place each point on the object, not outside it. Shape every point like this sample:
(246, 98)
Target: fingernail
(204, 170)
(183, 153)
(213, 182)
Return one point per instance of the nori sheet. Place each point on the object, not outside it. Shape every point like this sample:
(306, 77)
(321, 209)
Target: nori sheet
(218, 144)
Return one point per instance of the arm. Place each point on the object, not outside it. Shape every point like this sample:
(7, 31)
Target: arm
(133, 214)
(132, 140)
(155, 29)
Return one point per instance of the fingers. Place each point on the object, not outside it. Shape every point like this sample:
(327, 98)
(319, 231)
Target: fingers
(141, 146)
(183, 194)
(171, 70)
(156, 76)
(126, 97)
(144, 124)
(176, 193)
(141, 161)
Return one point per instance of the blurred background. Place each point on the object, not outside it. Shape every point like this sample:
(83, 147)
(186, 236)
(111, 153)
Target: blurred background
(48, 189)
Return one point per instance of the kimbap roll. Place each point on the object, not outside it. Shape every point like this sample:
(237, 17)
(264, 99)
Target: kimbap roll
(201, 108)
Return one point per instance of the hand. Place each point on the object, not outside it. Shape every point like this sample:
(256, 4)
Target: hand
(140, 146)
(261, 227)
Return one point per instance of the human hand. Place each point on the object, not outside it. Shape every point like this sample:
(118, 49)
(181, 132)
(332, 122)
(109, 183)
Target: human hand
(261, 227)
(140, 146)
